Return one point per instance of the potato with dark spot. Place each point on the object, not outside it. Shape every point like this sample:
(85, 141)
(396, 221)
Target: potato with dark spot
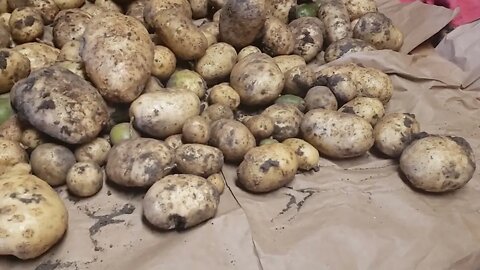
(335, 17)
(232, 137)
(11, 153)
(268, 141)
(164, 62)
(308, 36)
(438, 163)
(85, 179)
(26, 25)
(69, 4)
(95, 151)
(152, 7)
(298, 80)
(394, 132)
(346, 46)
(196, 130)
(13, 67)
(277, 39)
(370, 109)
(261, 126)
(287, 62)
(188, 80)
(307, 155)
(378, 30)
(174, 141)
(224, 94)
(51, 162)
(286, 120)
(217, 111)
(69, 25)
(280, 9)
(247, 51)
(47, 8)
(218, 181)
(199, 8)
(358, 8)
(217, 63)
(39, 54)
(373, 83)
(340, 80)
(32, 138)
(139, 162)
(320, 97)
(198, 159)
(12, 129)
(267, 168)
(61, 104)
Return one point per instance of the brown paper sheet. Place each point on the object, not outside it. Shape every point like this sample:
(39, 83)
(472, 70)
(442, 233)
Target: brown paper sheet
(353, 214)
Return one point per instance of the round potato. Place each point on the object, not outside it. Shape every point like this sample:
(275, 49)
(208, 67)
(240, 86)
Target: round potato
(198, 159)
(12, 129)
(224, 94)
(85, 179)
(298, 80)
(39, 54)
(26, 25)
(11, 153)
(69, 25)
(370, 109)
(217, 111)
(261, 126)
(69, 4)
(346, 46)
(13, 67)
(277, 39)
(217, 63)
(287, 62)
(196, 130)
(308, 37)
(164, 62)
(51, 162)
(378, 30)
(373, 83)
(247, 51)
(218, 181)
(188, 80)
(232, 137)
(286, 120)
(394, 132)
(320, 97)
(122, 132)
(307, 155)
(94, 151)
(174, 141)
(280, 9)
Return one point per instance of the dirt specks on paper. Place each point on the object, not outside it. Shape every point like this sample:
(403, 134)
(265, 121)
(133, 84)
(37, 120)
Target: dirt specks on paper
(293, 203)
(57, 265)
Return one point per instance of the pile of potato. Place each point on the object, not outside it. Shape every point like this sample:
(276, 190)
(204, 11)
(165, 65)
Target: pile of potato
(160, 94)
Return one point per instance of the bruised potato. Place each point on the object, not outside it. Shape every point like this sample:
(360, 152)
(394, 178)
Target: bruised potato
(394, 132)
(198, 159)
(26, 25)
(13, 67)
(232, 137)
(85, 179)
(370, 109)
(51, 162)
(217, 63)
(307, 155)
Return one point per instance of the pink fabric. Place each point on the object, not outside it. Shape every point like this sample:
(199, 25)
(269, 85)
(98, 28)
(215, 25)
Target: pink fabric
(469, 9)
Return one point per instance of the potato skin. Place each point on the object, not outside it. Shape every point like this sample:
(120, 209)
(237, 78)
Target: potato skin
(336, 134)
(232, 137)
(358, 8)
(85, 179)
(26, 24)
(298, 80)
(217, 63)
(51, 162)
(394, 132)
(320, 97)
(335, 17)
(373, 83)
(308, 36)
(438, 163)
(39, 54)
(217, 111)
(13, 67)
(121, 77)
(277, 38)
(11, 153)
(198, 159)
(307, 155)
(164, 62)
(186, 79)
(96, 151)
(47, 8)
(346, 46)
(224, 94)
(12, 129)
(218, 181)
(280, 9)
(286, 120)
(69, 25)
(287, 62)
(261, 126)
(153, 7)
(68, 4)
(378, 30)
(268, 167)
(196, 130)
(370, 109)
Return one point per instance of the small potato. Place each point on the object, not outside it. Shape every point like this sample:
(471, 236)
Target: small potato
(346, 46)
(370, 109)
(218, 181)
(280, 9)
(174, 141)
(340, 80)
(296, 101)
(321, 97)
(32, 138)
(224, 94)
(69, 4)
(308, 36)
(51, 162)
(286, 120)
(164, 62)
(335, 17)
(394, 132)
(188, 80)
(287, 62)
(378, 30)
(198, 159)
(71, 51)
(196, 130)
(47, 8)
(438, 163)
(12, 129)
(268, 167)
(94, 151)
(13, 67)
(358, 8)
(153, 85)
(153, 7)
(336, 134)
(232, 137)
(217, 111)
(85, 179)
(307, 155)
(11, 153)
(277, 39)
(298, 80)
(247, 51)
(180, 201)
(217, 63)
(261, 126)
(39, 54)
(122, 132)
(69, 25)
(26, 25)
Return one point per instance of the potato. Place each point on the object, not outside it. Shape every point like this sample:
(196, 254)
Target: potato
(277, 39)
(39, 54)
(358, 8)
(336, 134)
(340, 81)
(11, 129)
(122, 132)
(335, 17)
(232, 137)
(217, 111)
(163, 113)
(353, 23)
(438, 163)
(286, 120)
(180, 201)
(198, 159)
(268, 141)
(5, 37)
(71, 52)
(6, 110)
(211, 30)
(109, 5)
(94, 151)
(69, 25)
(217, 63)
(224, 94)
(247, 51)
(69, 4)
(26, 25)
(241, 21)
(394, 132)
(85, 179)
(11, 154)
(218, 181)
(308, 37)
(92, 9)
(307, 155)
(5, 19)
(153, 7)
(174, 141)
(261, 126)
(346, 46)
(32, 138)
(51, 162)
(136, 10)
(13, 67)
(280, 9)
(188, 80)
(139, 162)
(61, 104)
(296, 101)
(121, 77)
(33, 218)
(153, 85)
(196, 130)
(287, 62)
(268, 167)
(199, 8)
(257, 79)
(320, 97)
(378, 30)
(3, 6)
(242, 114)
(298, 80)
(370, 109)
(47, 8)
(373, 83)
(164, 62)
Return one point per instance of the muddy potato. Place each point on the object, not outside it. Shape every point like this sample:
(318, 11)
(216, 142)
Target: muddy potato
(218, 181)
(298, 80)
(261, 126)
(280, 9)
(85, 179)
(268, 167)
(320, 97)
(51, 162)
(224, 94)
(296, 101)
(307, 155)
(394, 132)
(32, 138)
(277, 39)
(196, 130)
(438, 163)
(340, 80)
(39, 54)
(94, 151)
(11, 129)
(308, 37)
(180, 201)
(68, 4)
(26, 25)
(217, 111)
(358, 8)
(286, 120)
(47, 8)
(11, 153)
(373, 83)
(335, 17)
(370, 109)
(336, 134)
(198, 159)
(232, 137)
(69, 25)
(287, 62)
(13, 67)
(378, 30)
(71, 52)
(163, 113)
(164, 62)
(217, 63)
(33, 218)
(188, 80)
(346, 46)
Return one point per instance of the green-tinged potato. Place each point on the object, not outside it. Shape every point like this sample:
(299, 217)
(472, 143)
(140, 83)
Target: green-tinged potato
(320, 97)
(261, 126)
(71, 51)
(39, 54)
(5, 37)
(109, 5)
(61, 104)
(32, 138)
(224, 94)
(217, 111)
(51, 162)
(85, 179)
(26, 25)
(69, 25)
(11, 153)
(232, 137)
(292, 100)
(335, 17)
(13, 67)
(153, 85)
(438, 163)
(280, 9)
(199, 8)
(358, 8)
(307, 155)
(94, 151)
(139, 162)
(11, 129)
(136, 9)
(257, 79)
(394, 132)
(346, 46)
(217, 63)
(306, 10)
(68, 4)
(241, 21)
(277, 39)
(340, 80)
(268, 141)
(47, 8)
(378, 30)
(286, 120)
(247, 51)
(122, 132)
(308, 36)
(268, 167)
(164, 62)
(180, 201)
(33, 217)
(298, 80)
(188, 80)
(174, 141)
(336, 134)
(153, 7)
(198, 159)
(218, 181)
(196, 130)
(163, 113)
(287, 62)
(370, 109)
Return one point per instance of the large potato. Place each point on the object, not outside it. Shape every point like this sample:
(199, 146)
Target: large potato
(308, 36)
(336, 134)
(378, 30)
(13, 67)
(51, 162)
(60, 104)
(11, 153)
(118, 56)
(69, 25)
(232, 137)
(335, 17)
(217, 63)
(394, 132)
(198, 159)
(370, 109)
(286, 120)
(358, 8)
(346, 46)
(163, 113)
(277, 39)
(39, 54)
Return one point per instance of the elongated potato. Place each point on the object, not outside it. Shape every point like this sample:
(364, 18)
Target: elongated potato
(307, 155)
(277, 39)
(346, 46)
(335, 17)
(232, 138)
(370, 109)
(217, 63)
(394, 132)
(198, 159)
(13, 67)
(378, 30)
(308, 35)
(286, 120)
(358, 8)
(119, 77)
(217, 111)
(373, 83)
(69, 25)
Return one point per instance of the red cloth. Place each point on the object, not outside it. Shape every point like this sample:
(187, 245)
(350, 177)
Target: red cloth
(469, 9)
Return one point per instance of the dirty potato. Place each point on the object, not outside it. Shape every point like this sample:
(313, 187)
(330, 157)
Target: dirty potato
(217, 111)
(346, 46)
(39, 54)
(68, 4)
(261, 126)
(358, 8)
(12, 129)
(164, 62)
(373, 83)
(286, 120)
(13, 67)
(224, 94)
(320, 97)
(232, 137)
(85, 179)
(51, 162)
(287, 62)
(47, 8)
(335, 17)
(11, 153)
(370, 109)
(308, 36)
(307, 155)
(247, 51)
(378, 30)
(277, 39)
(340, 80)
(188, 80)
(95, 151)
(26, 25)
(280, 9)
(298, 80)
(394, 132)
(196, 130)
(217, 63)
(71, 52)
(69, 25)
(198, 159)
(32, 138)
